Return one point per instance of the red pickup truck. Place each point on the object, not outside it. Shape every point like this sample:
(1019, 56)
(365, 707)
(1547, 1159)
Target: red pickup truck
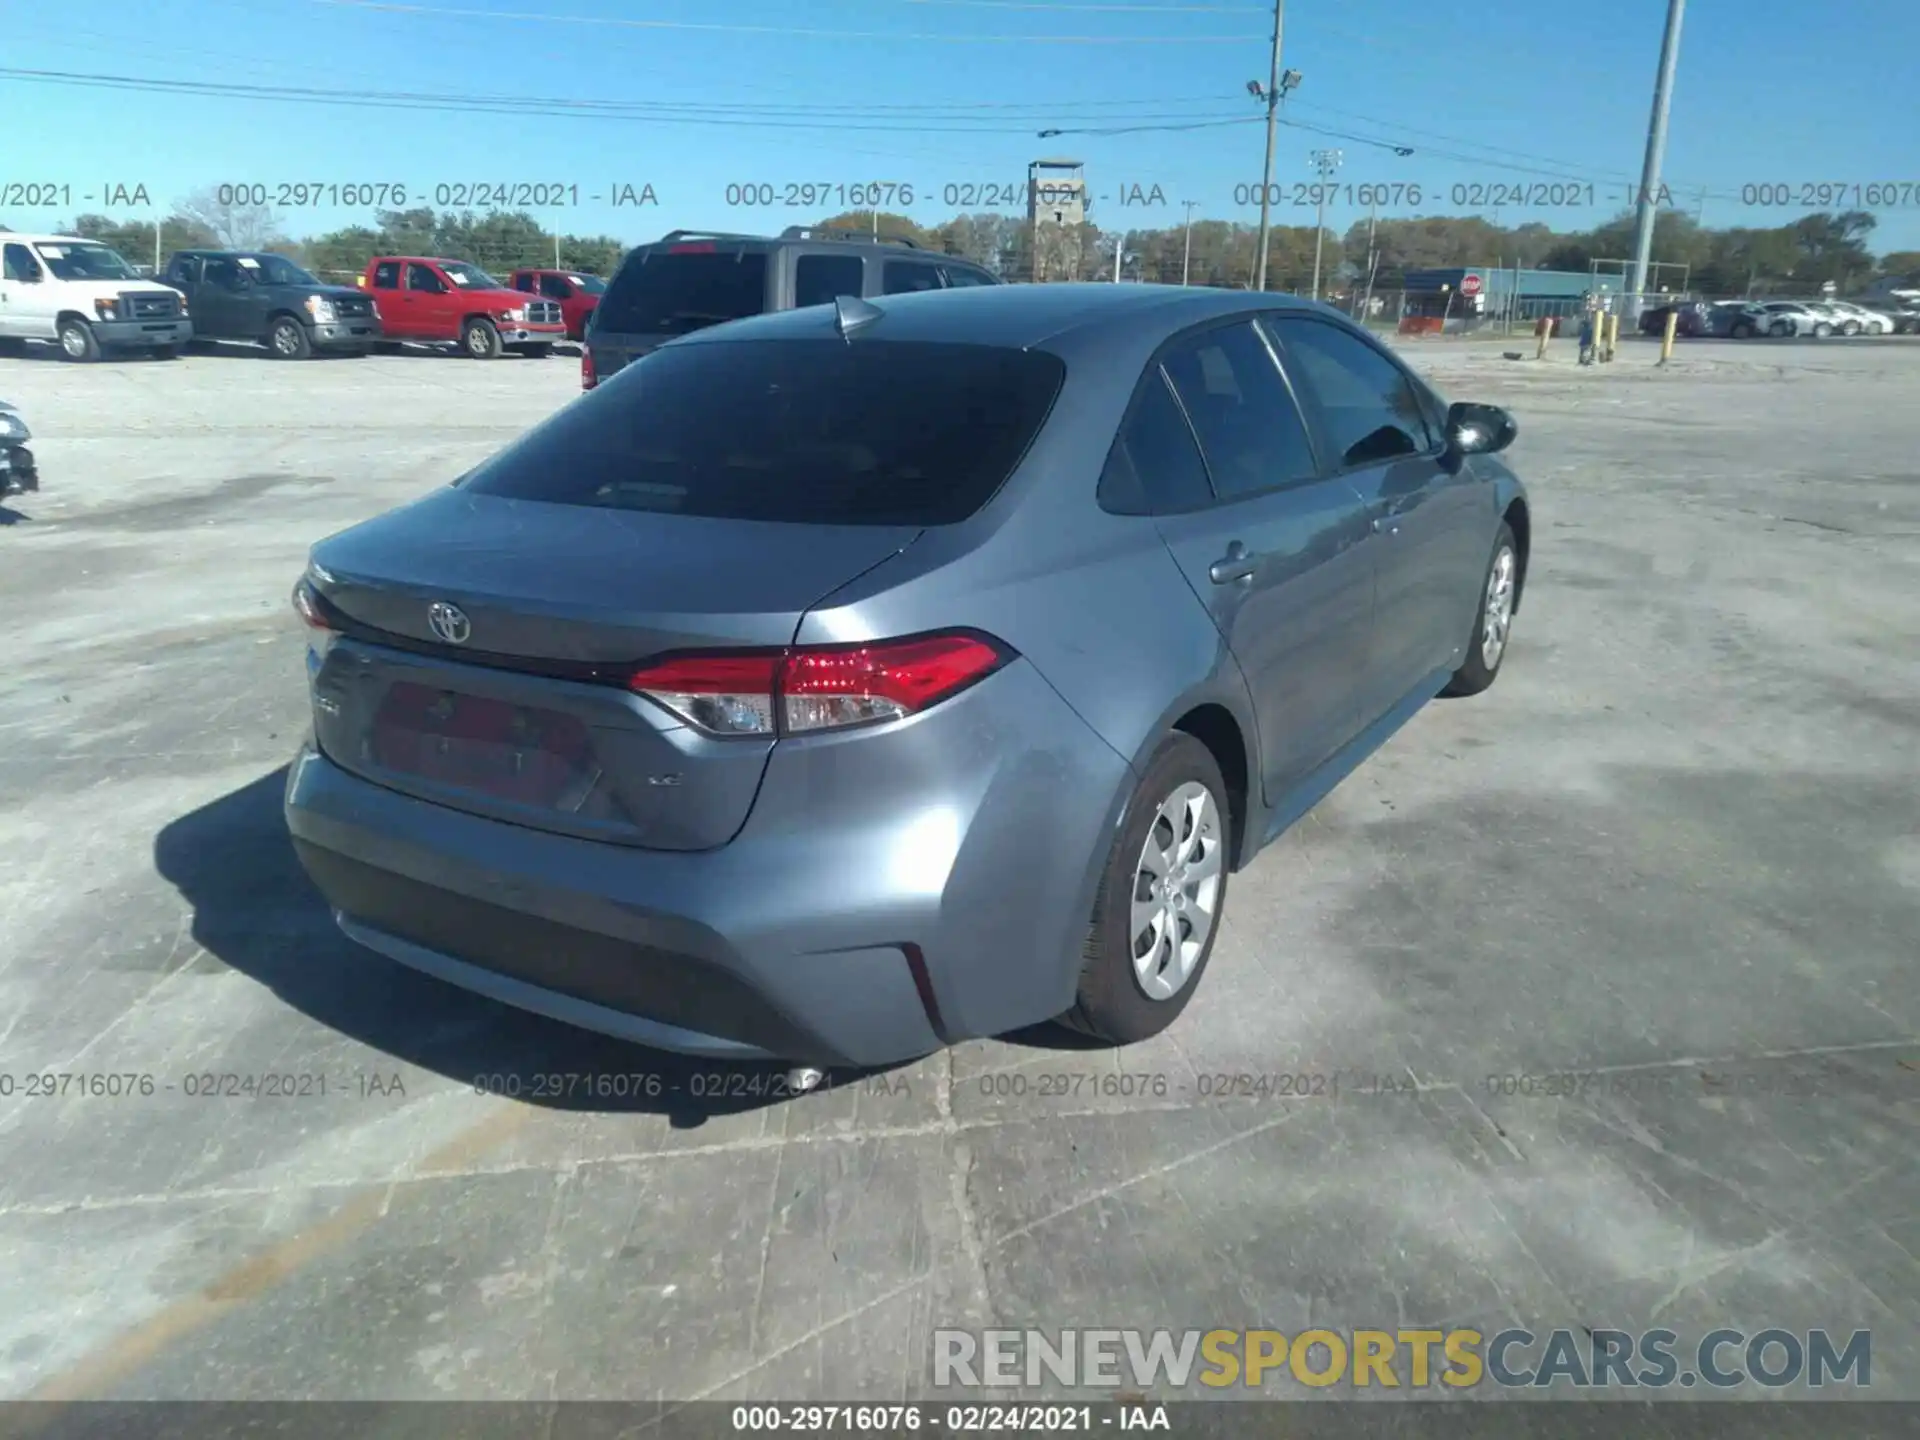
(576, 294)
(432, 301)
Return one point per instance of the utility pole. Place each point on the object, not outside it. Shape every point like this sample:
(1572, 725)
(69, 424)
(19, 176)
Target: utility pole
(1656, 152)
(1186, 262)
(1119, 249)
(1266, 174)
(1325, 162)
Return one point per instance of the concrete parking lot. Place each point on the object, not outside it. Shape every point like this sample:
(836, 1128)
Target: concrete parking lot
(1674, 853)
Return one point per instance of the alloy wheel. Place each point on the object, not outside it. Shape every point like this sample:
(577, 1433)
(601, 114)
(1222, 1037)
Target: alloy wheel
(1176, 890)
(1499, 609)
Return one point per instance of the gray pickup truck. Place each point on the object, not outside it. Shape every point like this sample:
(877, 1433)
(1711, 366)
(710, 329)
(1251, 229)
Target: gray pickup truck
(266, 298)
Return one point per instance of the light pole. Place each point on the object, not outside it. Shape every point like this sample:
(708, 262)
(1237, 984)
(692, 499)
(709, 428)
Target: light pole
(1275, 91)
(1186, 261)
(1325, 162)
(1656, 152)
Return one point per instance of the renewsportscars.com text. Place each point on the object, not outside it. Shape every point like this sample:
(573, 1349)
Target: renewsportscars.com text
(1146, 1360)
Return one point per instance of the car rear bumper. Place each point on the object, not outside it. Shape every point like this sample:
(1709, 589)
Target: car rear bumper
(889, 894)
(142, 333)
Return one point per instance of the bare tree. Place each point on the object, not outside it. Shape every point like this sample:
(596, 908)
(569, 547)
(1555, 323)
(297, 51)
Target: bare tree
(238, 226)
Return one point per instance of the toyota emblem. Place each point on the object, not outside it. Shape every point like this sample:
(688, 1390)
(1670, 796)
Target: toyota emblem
(449, 622)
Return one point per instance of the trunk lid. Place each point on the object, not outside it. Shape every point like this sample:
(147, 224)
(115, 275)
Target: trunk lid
(515, 708)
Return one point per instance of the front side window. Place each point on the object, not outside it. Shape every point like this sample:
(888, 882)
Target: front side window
(1371, 410)
(419, 277)
(20, 264)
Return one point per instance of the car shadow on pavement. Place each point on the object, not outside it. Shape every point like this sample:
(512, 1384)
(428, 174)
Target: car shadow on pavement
(255, 910)
(10, 516)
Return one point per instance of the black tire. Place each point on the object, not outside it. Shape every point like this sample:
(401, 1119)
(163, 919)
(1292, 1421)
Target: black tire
(1852, 327)
(536, 352)
(1743, 331)
(287, 339)
(77, 342)
(1111, 1004)
(166, 352)
(479, 340)
(1476, 673)
(1780, 329)
(387, 347)
(1821, 330)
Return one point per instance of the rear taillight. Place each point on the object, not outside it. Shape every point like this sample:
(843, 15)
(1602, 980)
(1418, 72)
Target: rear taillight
(307, 605)
(817, 687)
(588, 379)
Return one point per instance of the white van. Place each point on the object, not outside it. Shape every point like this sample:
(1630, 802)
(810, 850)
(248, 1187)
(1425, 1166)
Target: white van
(83, 296)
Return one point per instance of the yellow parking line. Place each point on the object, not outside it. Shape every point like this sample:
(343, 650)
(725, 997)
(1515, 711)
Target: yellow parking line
(94, 1373)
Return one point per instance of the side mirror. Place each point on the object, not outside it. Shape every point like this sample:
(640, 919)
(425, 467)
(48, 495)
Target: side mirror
(1479, 429)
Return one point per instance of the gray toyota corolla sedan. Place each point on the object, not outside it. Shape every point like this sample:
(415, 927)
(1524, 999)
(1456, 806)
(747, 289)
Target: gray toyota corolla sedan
(838, 684)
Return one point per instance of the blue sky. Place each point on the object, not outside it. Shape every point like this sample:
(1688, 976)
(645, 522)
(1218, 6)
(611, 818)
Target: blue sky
(951, 92)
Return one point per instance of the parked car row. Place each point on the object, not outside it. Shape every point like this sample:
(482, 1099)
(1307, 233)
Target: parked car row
(1741, 319)
(82, 296)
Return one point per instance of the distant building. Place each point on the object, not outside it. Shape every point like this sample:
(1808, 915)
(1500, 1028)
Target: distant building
(1056, 193)
(1436, 299)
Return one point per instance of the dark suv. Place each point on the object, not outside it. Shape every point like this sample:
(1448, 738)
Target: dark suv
(689, 279)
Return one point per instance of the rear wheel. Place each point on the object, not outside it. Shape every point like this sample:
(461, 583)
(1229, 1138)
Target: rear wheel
(1780, 329)
(1161, 896)
(287, 339)
(1487, 646)
(1743, 331)
(1852, 327)
(77, 342)
(1822, 329)
(480, 341)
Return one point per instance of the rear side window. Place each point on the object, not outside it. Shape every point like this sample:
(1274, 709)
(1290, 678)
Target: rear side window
(666, 293)
(1370, 408)
(386, 275)
(821, 279)
(818, 432)
(959, 275)
(523, 282)
(1250, 430)
(1154, 467)
(903, 277)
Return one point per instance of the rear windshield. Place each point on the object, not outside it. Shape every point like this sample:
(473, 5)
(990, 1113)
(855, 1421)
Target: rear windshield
(662, 293)
(811, 432)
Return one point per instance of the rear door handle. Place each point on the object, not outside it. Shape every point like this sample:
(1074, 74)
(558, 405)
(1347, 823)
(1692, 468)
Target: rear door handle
(1236, 565)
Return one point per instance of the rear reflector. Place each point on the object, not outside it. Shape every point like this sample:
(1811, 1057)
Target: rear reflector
(588, 377)
(818, 687)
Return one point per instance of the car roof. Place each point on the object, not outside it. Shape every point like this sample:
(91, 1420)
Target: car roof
(1016, 316)
(38, 239)
(848, 238)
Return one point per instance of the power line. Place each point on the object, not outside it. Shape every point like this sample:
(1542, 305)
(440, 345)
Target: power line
(656, 112)
(789, 31)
